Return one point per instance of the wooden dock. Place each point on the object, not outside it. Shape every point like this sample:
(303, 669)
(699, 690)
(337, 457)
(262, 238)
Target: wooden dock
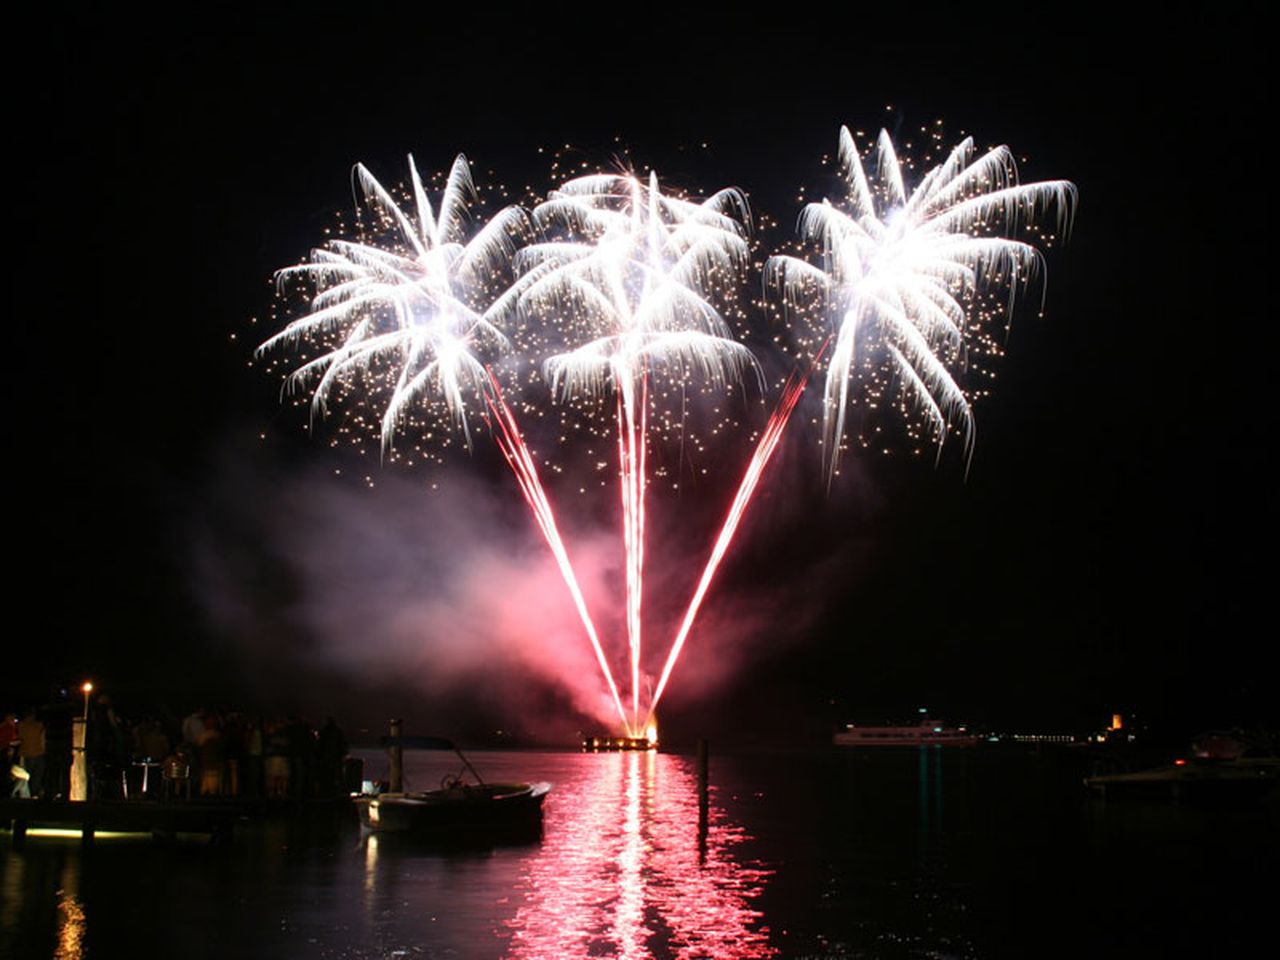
(215, 818)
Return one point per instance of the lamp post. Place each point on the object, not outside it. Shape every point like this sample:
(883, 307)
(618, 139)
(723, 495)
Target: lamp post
(79, 766)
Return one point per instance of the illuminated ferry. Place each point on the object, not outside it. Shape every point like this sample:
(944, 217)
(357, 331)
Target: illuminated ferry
(924, 732)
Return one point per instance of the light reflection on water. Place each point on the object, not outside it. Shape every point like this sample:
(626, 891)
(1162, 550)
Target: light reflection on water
(623, 871)
(865, 858)
(71, 916)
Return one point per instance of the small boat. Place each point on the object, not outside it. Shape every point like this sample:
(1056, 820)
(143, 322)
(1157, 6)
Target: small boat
(459, 809)
(1197, 779)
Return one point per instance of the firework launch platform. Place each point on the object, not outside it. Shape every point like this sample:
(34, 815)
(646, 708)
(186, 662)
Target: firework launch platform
(614, 744)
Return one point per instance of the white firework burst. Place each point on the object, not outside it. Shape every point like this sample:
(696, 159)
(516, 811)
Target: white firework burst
(423, 302)
(635, 282)
(635, 285)
(901, 270)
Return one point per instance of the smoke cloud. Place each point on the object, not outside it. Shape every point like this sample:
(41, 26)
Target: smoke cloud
(452, 591)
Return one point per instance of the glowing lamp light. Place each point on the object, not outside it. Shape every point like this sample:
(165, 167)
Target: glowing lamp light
(86, 688)
(76, 833)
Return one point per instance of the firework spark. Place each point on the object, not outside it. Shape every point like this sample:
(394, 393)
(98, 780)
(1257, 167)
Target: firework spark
(903, 270)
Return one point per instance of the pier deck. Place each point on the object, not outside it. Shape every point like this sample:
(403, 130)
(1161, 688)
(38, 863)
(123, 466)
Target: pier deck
(215, 818)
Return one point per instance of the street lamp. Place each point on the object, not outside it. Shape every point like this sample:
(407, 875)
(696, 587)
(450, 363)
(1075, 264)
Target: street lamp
(79, 767)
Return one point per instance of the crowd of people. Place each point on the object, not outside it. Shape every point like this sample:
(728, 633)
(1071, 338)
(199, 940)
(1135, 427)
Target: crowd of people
(207, 753)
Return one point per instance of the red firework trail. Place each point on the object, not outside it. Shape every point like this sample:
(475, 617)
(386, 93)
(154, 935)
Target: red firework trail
(631, 461)
(517, 455)
(791, 393)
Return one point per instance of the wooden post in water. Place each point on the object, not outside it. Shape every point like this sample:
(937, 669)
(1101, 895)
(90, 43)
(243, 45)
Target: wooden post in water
(19, 834)
(702, 787)
(395, 758)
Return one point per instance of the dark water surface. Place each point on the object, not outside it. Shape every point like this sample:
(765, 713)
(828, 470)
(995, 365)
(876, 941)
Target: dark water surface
(911, 853)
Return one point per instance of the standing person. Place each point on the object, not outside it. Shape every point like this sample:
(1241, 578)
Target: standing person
(192, 731)
(8, 735)
(253, 751)
(31, 748)
(302, 757)
(9, 754)
(151, 746)
(213, 757)
(331, 748)
(57, 738)
(276, 756)
(193, 726)
(106, 751)
(153, 741)
(233, 752)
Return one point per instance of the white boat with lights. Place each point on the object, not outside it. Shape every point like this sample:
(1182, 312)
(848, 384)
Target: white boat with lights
(923, 733)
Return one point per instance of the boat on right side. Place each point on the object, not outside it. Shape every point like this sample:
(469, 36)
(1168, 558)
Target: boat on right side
(1192, 779)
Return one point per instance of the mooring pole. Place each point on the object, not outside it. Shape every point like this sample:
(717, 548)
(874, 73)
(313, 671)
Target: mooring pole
(703, 751)
(395, 758)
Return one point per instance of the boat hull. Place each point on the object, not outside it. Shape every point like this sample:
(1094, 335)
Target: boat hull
(1193, 781)
(460, 811)
(926, 734)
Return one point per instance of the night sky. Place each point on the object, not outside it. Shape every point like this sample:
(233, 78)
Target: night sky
(1106, 551)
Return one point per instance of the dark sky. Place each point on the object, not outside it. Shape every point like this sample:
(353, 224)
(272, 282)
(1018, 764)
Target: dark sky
(1105, 552)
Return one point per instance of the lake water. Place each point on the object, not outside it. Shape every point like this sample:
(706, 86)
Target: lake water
(925, 853)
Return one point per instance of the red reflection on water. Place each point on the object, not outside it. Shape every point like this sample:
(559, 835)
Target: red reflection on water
(621, 872)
